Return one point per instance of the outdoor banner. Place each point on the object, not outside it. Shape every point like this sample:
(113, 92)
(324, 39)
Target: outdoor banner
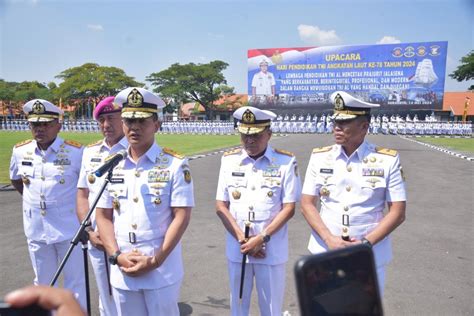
(399, 76)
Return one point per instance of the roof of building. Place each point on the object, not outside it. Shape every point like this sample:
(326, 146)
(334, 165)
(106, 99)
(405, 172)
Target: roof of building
(455, 102)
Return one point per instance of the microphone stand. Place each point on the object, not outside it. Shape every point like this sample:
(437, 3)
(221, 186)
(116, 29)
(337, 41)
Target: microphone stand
(82, 236)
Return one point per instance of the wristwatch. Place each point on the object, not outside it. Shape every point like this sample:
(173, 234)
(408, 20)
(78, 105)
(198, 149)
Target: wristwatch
(113, 258)
(265, 236)
(366, 242)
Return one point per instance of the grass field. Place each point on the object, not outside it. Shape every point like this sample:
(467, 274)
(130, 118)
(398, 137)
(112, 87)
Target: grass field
(457, 144)
(184, 144)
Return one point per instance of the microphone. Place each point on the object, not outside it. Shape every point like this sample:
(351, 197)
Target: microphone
(111, 162)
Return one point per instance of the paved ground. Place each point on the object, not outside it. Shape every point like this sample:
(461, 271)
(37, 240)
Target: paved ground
(432, 270)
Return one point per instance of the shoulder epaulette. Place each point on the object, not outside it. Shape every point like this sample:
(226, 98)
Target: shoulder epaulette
(284, 152)
(95, 143)
(233, 152)
(172, 153)
(386, 151)
(23, 143)
(73, 143)
(321, 149)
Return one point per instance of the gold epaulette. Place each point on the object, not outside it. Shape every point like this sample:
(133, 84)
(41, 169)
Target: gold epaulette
(95, 143)
(73, 143)
(284, 152)
(173, 153)
(386, 151)
(23, 143)
(321, 149)
(233, 152)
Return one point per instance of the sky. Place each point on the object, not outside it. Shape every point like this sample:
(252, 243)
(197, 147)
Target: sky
(39, 39)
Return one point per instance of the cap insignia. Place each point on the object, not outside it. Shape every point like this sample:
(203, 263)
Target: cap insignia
(338, 102)
(38, 108)
(135, 98)
(248, 117)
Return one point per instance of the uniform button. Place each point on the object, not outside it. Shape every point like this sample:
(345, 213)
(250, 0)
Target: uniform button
(346, 208)
(253, 187)
(134, 226)
(254, 169)
(250, 207)
(43, 212)
(348, 188)
(62, 181)
(42, 196)
(137, 173)
(349, 168)
(43, 160)
(135, 199)
(42, 178)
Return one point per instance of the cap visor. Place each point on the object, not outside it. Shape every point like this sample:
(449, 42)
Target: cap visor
(343, 117)
(136, 114)
(251, 130)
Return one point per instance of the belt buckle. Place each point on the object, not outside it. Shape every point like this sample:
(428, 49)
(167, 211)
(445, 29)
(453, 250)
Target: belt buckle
(132, 238)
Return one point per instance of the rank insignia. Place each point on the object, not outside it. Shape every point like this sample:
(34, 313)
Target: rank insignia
(91, 178)
(324, 191)
(236, 194)
(187, 176)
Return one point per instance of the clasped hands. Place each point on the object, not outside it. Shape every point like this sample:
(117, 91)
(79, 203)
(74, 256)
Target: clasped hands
(253, 246)
(135, 263)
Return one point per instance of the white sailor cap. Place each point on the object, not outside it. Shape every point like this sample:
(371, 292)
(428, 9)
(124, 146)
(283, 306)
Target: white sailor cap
(138, 103)
(346, 107)
(39, 110)
(263, 62)
(253, 120)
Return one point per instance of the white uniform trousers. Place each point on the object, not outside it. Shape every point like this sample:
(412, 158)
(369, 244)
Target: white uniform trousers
(269, 283)
(106, 300)
(46, 259)
(157, 302)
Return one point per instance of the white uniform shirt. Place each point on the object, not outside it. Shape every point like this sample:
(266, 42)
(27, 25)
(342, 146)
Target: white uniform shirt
(263, 83)
(93, 157)
(145, 192)
(357, 186)
(261, 186)
(49, 188)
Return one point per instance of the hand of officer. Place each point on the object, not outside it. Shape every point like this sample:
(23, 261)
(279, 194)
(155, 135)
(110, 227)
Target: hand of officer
(124, 259)
(142, 264)
(60, 300)
(253, 247)
(95, 240)
(336, 242)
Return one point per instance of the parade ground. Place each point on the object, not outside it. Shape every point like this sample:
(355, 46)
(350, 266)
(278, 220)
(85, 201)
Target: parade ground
(432, 269)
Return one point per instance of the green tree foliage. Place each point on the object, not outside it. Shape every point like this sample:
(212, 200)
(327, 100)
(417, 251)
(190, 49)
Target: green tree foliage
(465, 71)
(24, 91)
(92, 80)
(202, 83)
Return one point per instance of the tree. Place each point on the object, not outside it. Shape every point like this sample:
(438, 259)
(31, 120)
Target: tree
(202, 83)
(465, 71)
(92, 80)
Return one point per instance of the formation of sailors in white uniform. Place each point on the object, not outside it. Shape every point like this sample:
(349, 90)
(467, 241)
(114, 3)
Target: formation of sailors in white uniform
(380, 124)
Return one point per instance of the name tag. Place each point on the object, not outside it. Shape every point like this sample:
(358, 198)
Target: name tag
(117, 180)
(238, 174)
(372, 172)
(326, 170)
(96, 160)
(26, 163)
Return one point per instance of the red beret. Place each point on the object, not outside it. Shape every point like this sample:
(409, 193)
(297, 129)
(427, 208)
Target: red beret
(107, 105)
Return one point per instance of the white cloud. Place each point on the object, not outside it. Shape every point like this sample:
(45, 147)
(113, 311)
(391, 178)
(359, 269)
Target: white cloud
(389, 40)
(95, 27)
(313, 35)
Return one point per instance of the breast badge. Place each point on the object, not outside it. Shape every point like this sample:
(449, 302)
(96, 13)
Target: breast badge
(324, 191)
(236, 194)
(91, 178)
